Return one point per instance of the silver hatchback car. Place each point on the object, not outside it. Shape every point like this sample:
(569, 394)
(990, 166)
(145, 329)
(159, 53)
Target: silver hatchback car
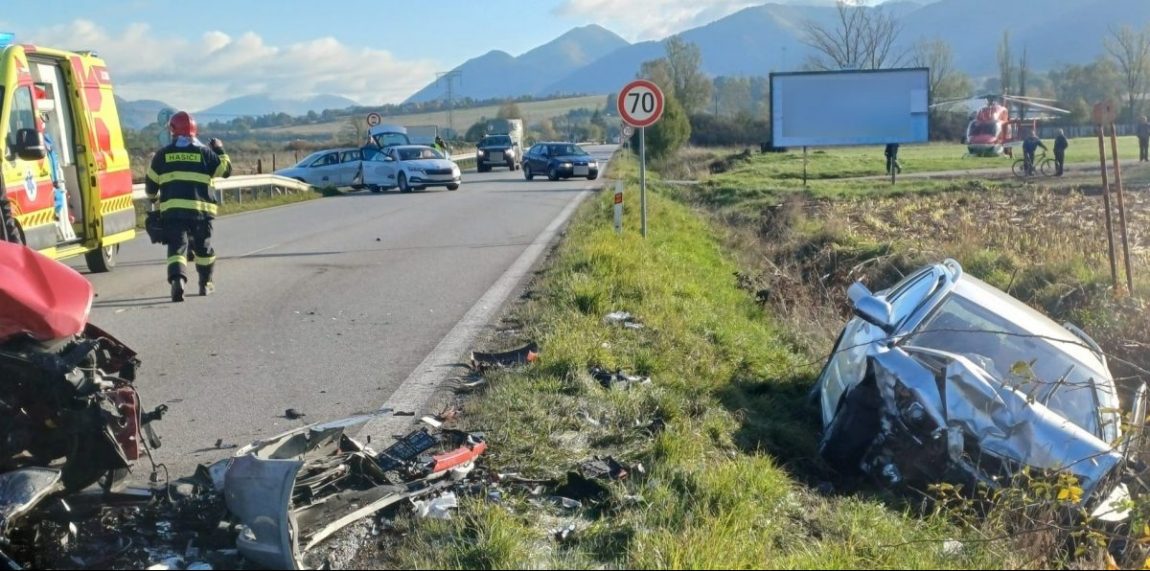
(946, 378)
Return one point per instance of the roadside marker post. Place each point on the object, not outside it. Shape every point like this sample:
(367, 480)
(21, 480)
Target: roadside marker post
(618, 207)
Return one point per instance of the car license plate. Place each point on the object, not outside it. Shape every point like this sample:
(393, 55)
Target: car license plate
(497, 156)
(581, 171)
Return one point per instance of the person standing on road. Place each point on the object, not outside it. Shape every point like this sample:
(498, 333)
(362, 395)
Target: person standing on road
(180, 179)
(1060, 145)
(1029, 146)
(891, 153)
(1143, 140)
(441, 146)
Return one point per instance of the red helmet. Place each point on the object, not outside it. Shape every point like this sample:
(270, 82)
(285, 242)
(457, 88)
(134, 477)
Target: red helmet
(182, 125)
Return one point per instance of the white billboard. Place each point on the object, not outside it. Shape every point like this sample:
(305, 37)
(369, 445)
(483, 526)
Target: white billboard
(813, 109)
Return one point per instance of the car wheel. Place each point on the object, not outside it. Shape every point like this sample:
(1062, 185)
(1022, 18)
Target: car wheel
(102, 260)
(527, 174)
(453, 187)
(403, 187)
(552, 173)
(511, 166)
(375, 189)
(593, 176)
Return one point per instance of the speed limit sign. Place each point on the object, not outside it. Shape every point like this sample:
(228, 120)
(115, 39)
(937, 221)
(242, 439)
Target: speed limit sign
(628, 131)
(373, 119)
(640, 103)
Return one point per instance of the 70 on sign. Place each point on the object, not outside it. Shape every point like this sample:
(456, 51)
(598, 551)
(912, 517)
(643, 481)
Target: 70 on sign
(640, 103)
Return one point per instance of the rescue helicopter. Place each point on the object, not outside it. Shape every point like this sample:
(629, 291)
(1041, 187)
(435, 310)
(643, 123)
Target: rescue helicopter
(999, 122)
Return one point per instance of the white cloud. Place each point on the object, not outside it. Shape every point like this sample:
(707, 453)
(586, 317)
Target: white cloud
(651, 19)
(198, 73)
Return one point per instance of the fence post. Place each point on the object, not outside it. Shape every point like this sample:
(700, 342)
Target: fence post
(260, 165)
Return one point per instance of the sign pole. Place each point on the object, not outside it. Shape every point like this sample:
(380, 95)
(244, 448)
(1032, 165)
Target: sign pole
(643, 179)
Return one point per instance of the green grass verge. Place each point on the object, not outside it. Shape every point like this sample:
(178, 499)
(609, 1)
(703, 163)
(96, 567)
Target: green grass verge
(726, 484)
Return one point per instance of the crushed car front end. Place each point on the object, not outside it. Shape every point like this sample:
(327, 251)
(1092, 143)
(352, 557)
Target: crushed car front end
(975, 389)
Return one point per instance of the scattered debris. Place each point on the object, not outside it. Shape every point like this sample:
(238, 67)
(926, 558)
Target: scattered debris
(622, 318)
(578, 487)
(403, 413)
(562, 535)
(952, 548)
(618, 379)
(481, 361)
(293, 414)
(601, 468)
(293, 491)
(437, 508)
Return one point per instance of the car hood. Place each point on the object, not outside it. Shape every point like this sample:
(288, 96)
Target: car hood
(425, 164)
(574, 159)
(1002, 421)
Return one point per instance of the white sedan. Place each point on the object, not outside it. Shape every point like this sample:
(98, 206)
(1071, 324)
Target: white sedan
(409, 167)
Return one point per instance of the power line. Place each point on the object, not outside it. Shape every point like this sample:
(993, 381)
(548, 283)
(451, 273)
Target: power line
(450, 77)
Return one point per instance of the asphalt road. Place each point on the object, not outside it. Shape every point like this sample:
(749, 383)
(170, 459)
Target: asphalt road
(325, 306)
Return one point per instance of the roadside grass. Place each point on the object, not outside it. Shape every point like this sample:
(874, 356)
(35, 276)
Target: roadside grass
(1044, 242)
(235, 207)
(723, 431)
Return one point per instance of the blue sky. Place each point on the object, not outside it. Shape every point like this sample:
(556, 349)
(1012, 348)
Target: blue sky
(194, 54)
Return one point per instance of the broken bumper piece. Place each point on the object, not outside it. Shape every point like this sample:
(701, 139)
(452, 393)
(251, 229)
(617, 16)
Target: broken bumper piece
(295, 490)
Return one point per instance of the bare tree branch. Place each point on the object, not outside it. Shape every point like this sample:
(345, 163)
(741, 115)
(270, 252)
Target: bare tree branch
(862, 38)
(1132, 52)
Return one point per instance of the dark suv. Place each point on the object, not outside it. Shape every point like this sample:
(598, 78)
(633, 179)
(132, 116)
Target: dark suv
(496, 150)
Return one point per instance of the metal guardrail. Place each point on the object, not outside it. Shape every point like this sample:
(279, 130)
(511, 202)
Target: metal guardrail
(274, 184)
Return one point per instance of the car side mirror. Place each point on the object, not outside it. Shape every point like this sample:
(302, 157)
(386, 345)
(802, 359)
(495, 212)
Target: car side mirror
(30, 145)
(871, 309)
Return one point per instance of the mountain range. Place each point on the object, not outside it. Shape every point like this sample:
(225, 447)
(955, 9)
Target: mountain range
(754, 41)
(769, 37)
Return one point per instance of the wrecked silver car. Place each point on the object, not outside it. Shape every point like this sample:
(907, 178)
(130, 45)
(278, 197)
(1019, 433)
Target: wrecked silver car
(946, 378)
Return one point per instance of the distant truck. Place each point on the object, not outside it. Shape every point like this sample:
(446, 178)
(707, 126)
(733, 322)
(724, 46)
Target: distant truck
(502, 146)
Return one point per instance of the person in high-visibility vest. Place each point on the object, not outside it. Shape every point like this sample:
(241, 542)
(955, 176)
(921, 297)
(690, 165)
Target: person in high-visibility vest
(441, 146)
(180, 179)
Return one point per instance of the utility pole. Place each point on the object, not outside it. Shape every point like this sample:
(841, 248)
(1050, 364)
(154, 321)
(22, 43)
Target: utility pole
(450, 77)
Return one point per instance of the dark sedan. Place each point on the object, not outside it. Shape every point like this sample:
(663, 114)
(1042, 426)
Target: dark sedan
(559, 160)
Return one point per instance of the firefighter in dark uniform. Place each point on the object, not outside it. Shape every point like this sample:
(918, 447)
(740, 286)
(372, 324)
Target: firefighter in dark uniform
(180, 178)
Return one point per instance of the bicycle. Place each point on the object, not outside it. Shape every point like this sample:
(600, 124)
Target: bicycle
(1042, 164)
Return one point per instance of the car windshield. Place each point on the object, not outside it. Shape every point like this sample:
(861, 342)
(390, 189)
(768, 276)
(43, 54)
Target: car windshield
(496, 140)
(566, 151)
(1019, 359)
(309, 159)
(416, 154)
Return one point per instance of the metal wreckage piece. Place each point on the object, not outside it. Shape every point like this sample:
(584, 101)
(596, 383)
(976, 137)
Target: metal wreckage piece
(293, 491)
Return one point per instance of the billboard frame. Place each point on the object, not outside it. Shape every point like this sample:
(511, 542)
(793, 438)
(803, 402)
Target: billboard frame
(775, 140)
